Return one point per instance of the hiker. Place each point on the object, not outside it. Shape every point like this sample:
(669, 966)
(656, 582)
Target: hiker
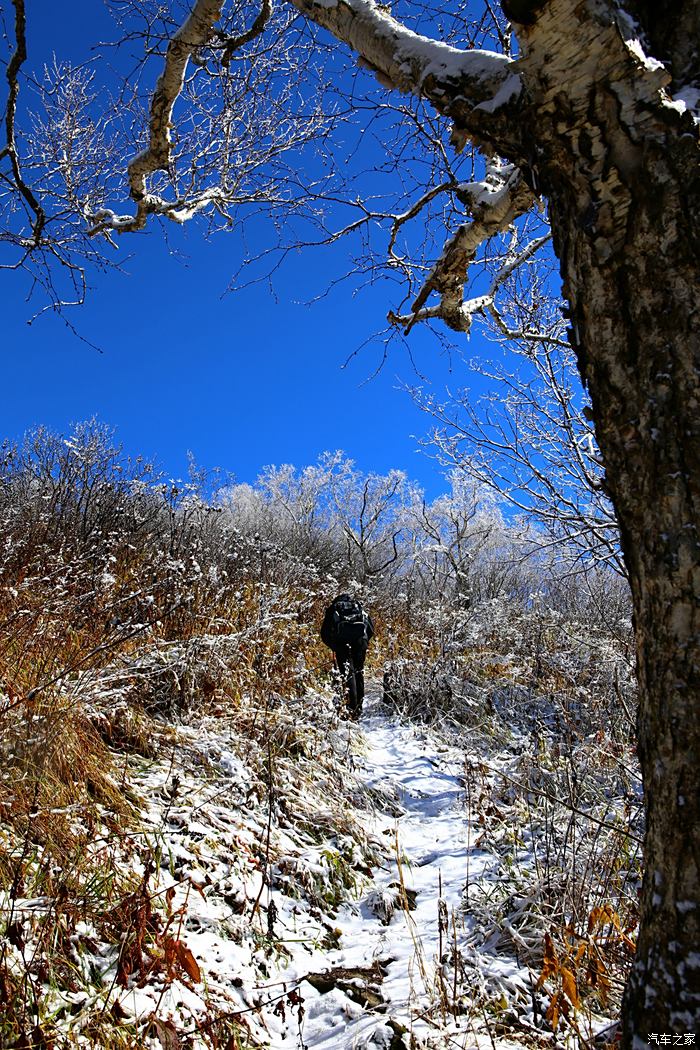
(347, 630)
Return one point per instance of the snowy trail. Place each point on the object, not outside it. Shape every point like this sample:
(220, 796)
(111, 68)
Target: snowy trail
(433, 840)
(253, 893)
(332, 893)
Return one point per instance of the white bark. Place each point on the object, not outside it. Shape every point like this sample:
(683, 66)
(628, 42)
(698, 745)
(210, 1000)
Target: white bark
(478, 90)
(493, 212)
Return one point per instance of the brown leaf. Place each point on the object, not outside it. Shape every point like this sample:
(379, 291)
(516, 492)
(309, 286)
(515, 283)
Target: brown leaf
(40, 1040)
(187, 961)
(568, 983)
(170, 957)
(594, 919)
(597, 977)
(123, 971)
(167, 1034)
(199, 888)
(552, 1013)
(117, 1011)
(15, 935)
(550, 964)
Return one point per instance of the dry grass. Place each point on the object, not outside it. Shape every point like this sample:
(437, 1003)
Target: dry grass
(122, 616)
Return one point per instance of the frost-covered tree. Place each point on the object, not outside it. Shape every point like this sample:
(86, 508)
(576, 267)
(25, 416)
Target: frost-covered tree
(369, 512)
(455, 539)
(587, 106)
(349, 524)
(531, 440)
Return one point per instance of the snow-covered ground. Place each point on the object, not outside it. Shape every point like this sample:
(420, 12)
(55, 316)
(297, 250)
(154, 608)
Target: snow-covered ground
(410, 916)
(324, 893)
(296, 932)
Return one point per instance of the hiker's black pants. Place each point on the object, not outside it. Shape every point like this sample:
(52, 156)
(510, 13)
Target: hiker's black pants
(350, 661)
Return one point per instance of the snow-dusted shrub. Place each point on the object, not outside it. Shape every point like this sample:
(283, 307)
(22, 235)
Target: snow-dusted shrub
(129, 602)
(426, 691)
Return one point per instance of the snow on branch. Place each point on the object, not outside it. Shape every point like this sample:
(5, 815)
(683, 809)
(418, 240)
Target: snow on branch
(197, 31)
(474, 88)
(495, 204)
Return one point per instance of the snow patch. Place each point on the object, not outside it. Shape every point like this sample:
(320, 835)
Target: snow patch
(510, 89)
(687, 100)
(634, 44)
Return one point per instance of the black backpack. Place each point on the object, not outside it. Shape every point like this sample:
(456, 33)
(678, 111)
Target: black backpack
(349, 621)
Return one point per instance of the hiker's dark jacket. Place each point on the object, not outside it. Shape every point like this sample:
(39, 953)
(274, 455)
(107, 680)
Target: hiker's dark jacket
(347, 630)
(346, 625)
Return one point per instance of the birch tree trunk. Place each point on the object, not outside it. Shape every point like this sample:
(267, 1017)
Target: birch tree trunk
(619, 165)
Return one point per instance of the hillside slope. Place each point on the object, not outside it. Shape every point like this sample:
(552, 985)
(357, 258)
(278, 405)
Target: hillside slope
(318, 885)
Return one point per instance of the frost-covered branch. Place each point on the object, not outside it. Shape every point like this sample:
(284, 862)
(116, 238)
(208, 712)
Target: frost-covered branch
(531, 441)
(415, 209)
(235, 43)
(196, 31)
(193, 34)
(476, 89)
(495, 204)
(221, 95)
(487, 304)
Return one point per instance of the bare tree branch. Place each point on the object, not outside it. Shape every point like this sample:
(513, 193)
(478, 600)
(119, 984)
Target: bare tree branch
(530, 440)
(494, 209)
(474, 88)
(193, 34)
(10, 150)
(233, 44)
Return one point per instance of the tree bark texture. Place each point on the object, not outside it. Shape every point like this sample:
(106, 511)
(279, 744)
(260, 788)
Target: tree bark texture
(619, 165)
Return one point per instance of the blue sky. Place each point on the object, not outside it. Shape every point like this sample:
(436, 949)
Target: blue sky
(240, 380)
